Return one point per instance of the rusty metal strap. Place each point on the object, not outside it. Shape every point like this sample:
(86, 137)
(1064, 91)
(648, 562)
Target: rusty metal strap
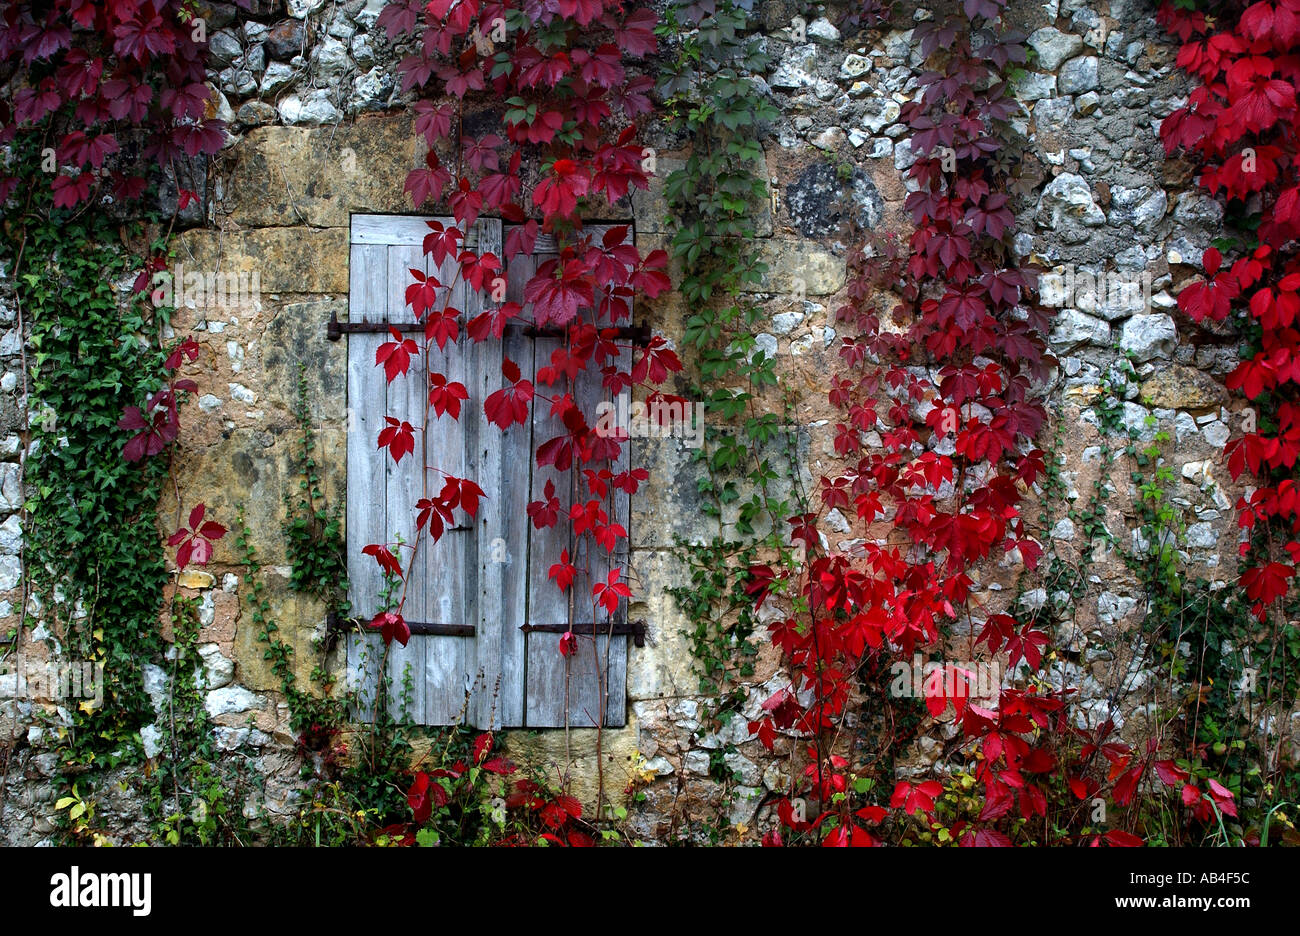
(334, 623)
(334, 330)
(634, 629)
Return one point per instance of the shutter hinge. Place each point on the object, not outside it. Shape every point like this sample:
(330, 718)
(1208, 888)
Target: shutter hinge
(337, 624)
(634, 629)
(334, 330)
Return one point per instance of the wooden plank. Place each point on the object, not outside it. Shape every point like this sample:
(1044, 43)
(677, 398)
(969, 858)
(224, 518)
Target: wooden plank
(410, 230)
(543, 663)
(450, 567)
(619, 506)
(402, 481)
(547, 605)
(366, 499)
(365, 653)
(599, 669)
(604, 659)
(546, 243)
(503, 461)
(575, 690)
(398, 230)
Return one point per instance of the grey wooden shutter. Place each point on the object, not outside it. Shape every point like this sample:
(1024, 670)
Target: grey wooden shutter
(443, 589)
(597, 672)
(490, 575)
(502, 467)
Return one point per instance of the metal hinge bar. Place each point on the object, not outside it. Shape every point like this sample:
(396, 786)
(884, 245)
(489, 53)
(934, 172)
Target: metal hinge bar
(634, 629)
(334, 330)
(336, 624)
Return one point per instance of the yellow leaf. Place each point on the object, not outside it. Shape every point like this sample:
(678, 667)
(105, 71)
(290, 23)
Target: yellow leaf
(77, 811)
(64, 803)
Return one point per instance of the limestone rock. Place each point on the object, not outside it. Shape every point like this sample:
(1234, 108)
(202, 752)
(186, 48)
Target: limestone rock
(820, 202)
(370, 92)
(1087, 103)
(196, 579)
(151, 738)
(855, 66)
(545, 749)
(11, 572)
(237, 81)
(800, 267)
(823, 30)
(232, 700)
(1149, 336)
(224, 46)
(1141, 207)
(1200, 210)
(277, 176)
(785, 322)
(1201, 536)
(1179, 387)
(11, 537)
(215, 15)
(880, 113)
(330, 58)
(287, 259)
(277, 76)
(1034, 86)
(1068, 195)
(1078, 75)
(796, 70)
(255, 113)
(1112, 608)
(313, 108)
(1072, 328)
(11, 486)
(303, 8)
(218, 670)
(155, 680)
(1054, 47)
(368, 15)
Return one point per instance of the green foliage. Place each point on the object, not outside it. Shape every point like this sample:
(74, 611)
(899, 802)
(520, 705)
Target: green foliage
(92, 521)
(721, 614)
(313, 532)
(330, 820)
(349, 790)
(711, 99)
(195, 797)
(749, 460)
(380, 768)
(1197, 633)
(306, 709)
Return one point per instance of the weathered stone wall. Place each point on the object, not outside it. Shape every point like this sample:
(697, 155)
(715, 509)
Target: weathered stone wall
(318, 133)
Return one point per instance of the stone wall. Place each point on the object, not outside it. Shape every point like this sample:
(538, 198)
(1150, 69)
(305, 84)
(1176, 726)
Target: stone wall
(318, 133)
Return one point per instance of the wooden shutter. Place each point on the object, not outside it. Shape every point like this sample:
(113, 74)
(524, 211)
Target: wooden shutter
(443, 591)
(597, 672)
(492, 574)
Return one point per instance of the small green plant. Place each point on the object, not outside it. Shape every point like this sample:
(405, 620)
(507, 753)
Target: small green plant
(312, 530)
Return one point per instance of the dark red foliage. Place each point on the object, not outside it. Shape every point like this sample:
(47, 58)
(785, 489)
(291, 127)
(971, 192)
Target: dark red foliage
(99, 75)
(545, 81)
(954, 459)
